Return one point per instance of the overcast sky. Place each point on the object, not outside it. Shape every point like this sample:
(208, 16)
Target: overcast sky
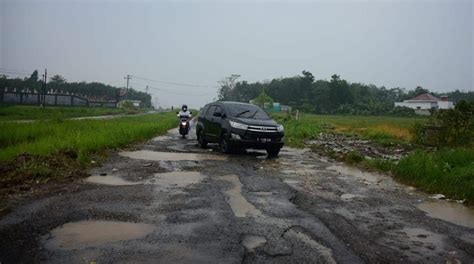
(389, 43)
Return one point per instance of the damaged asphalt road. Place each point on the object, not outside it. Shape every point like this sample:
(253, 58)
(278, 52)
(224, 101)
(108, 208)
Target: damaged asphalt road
(168, 201)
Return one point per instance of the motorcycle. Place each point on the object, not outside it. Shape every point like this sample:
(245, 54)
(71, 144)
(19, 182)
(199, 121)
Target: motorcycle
(184, 125)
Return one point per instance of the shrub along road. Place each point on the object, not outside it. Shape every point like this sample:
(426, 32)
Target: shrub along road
(167, 201)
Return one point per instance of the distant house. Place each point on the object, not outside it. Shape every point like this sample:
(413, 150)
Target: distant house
(426, 102)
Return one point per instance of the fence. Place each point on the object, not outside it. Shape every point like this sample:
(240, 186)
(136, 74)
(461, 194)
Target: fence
(53, 99)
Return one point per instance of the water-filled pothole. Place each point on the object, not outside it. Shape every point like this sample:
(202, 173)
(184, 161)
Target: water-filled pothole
(366, 176)
(449, 211)
(177, 179)
(251, 242)
(239, 205)
(169, 156)
(83, 234)
(110, 180)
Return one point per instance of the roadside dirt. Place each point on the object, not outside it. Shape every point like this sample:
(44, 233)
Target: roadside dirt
(168, 201)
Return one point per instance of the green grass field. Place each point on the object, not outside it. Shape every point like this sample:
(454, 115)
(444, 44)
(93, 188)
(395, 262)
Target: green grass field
(21, 112)
(81, 136)
(382, 129)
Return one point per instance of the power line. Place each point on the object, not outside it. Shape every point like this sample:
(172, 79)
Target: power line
(13, 73)
(14, 70)
(173, 83)
(173, 91)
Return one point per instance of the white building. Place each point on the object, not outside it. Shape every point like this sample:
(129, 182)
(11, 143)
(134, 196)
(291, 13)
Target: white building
(426, 102)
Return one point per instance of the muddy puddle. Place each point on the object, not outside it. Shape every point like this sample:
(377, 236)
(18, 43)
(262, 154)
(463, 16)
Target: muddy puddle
(84, 234)
(110, 180)
(177, 179)
(350, 196)
(166, 180)
(251, 242)
(449, 211)
(169, 156)
(362, 175)
(239, 205)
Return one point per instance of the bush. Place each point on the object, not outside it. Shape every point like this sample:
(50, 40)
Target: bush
(354, 157)
(452, 127)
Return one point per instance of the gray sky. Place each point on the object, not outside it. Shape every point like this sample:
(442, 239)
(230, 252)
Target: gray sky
(390, 43)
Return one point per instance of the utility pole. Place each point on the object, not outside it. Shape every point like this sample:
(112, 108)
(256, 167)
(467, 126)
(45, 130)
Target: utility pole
(147, 89)
(128, 77)
(43, 92)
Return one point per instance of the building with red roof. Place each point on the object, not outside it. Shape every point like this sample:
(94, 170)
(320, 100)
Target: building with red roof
(426, 102)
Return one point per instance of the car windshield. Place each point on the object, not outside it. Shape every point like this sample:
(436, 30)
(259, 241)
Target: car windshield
(247, 111)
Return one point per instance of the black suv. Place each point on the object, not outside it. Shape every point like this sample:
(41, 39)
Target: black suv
(238, 126)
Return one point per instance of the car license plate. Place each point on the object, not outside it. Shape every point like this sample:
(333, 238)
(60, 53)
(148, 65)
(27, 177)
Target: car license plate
(264, 140)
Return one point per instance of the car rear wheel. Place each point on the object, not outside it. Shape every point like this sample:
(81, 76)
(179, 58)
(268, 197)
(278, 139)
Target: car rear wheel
(273, 152)
(201, 140)
(225, 144)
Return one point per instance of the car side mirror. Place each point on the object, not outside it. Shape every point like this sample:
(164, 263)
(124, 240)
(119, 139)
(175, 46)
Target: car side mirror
(218, 114)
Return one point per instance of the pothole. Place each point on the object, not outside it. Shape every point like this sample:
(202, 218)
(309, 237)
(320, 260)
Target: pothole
(349, 196)
(324, 252)
(239, 205)
(169, 156)
(251, 242)
(263, 193)
(366, 176)
(110, 180)
(177, 179)
(293, 183)
(449, 211)
(83, 234)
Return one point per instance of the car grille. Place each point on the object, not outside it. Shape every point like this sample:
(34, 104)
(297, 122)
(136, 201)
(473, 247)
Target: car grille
(263, 129)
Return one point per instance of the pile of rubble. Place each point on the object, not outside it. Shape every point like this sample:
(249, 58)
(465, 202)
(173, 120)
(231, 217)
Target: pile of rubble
(339, 145)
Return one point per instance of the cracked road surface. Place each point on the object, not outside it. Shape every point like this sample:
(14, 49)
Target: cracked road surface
(168, 201)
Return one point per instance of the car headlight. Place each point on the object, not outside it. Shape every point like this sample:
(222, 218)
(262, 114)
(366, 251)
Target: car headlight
(183, 123)
(238, 125)
(280, 128)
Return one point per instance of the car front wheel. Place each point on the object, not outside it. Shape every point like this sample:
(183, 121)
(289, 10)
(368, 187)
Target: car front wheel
(273, 152)
(224, 144)
(201, 140)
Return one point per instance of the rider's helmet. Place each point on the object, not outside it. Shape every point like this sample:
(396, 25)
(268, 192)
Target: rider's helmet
(184, 108)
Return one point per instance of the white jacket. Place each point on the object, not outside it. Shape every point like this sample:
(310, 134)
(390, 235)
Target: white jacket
(185, 113)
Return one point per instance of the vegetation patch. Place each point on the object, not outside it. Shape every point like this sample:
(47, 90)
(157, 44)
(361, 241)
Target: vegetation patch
(447, 171)
(35, 153)
(385, 130)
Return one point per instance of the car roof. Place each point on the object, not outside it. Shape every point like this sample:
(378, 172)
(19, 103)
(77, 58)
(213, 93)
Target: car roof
(233, 103)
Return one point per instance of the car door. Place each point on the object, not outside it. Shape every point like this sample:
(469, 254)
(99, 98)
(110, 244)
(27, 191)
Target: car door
(217, 122)
(208, 123)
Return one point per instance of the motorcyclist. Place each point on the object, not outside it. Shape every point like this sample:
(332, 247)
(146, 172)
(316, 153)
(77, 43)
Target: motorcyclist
(184, 112)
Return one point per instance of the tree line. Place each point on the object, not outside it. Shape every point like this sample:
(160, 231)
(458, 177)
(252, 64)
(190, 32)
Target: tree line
(94, 91)
(336, 96)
